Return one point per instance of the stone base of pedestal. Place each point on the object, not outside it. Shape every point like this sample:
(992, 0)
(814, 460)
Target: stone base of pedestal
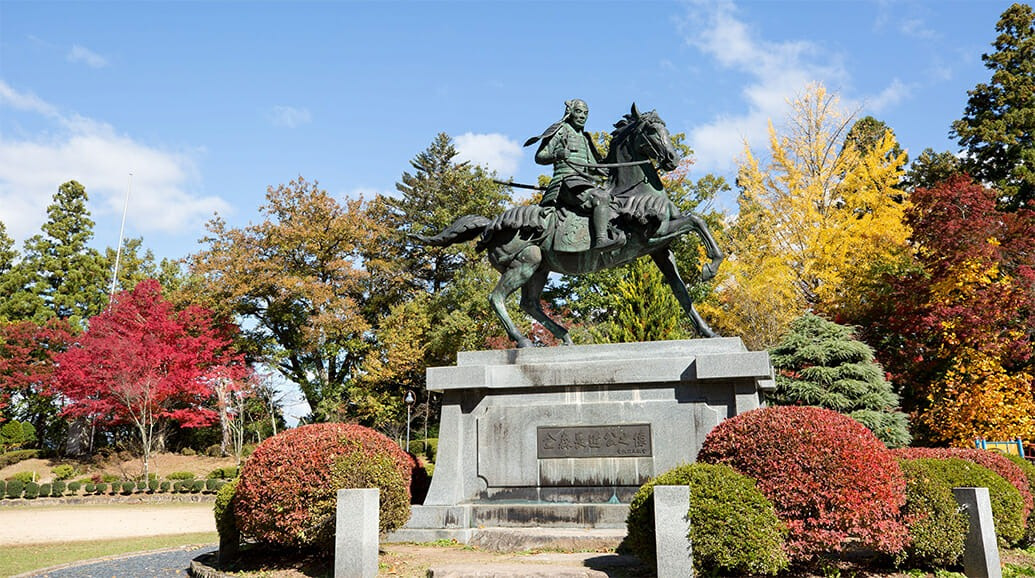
(564, 436)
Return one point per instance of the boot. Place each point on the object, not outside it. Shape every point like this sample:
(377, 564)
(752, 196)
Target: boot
(598, 223)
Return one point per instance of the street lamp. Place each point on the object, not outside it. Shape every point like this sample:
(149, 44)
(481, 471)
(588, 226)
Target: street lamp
(409, 399)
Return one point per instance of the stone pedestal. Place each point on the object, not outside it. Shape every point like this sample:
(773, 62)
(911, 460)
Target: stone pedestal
(564, 436)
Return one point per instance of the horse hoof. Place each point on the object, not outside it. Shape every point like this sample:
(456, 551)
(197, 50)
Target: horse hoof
(525, 342)
(566, 340)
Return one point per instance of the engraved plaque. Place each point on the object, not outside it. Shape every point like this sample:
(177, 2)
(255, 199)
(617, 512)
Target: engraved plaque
(595, 441)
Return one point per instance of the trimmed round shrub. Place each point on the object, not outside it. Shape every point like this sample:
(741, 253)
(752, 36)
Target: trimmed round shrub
(188, 452)
(15, 488)
(181, 476)
(214, 451)
(226, 523)
(995, 461)
(197, 485)
(1007, 505)
(63, 472)
(3, 488)
(73, 487)
(152, 486)
(57, 489)
(210, 485)
(128, 487)
(23, 477)
(44, 490)
(32, 489)
(90, 487)
(287, 492)
(164, 486)
(733, 527)
(1029, 473)
(937, 527)
(227, 473)
(101, 487)
(828, 477)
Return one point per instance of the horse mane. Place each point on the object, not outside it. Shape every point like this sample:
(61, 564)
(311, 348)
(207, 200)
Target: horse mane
(623, 128)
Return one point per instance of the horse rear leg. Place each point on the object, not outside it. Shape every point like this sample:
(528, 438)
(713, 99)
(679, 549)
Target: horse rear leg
(532, 304)
(516, 274)
(666, 261)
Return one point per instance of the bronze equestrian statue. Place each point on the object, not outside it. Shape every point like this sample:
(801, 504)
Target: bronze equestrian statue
(563, 234)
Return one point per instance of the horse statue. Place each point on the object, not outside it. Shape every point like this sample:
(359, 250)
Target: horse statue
(526, 243)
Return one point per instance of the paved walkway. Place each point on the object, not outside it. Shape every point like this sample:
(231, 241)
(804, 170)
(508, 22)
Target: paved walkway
(162, 564)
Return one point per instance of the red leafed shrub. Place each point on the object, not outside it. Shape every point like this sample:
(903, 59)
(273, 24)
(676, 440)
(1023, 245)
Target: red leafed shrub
(829, 478)
(287, 493)
(994, 461)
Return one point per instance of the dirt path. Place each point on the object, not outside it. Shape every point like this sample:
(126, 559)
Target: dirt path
(39, 525)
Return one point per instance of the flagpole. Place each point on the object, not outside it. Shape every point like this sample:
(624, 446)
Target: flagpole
(118, 250)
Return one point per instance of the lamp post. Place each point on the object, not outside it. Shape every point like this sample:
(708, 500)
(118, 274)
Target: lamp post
(409, 399)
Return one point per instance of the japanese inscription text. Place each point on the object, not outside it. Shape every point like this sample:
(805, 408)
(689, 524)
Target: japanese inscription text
(598, 441)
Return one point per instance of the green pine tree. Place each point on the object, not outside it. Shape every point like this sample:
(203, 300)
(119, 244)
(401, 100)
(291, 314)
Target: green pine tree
(59, 274)
(821, 363)
(997, 130)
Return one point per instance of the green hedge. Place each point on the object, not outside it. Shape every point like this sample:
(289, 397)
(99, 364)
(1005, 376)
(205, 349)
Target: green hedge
(13, 457)
(733, 527)
(15, 488)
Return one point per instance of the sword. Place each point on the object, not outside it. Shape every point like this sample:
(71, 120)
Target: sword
(518, 185)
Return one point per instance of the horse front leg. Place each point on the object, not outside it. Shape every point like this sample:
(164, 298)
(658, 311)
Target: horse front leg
(532, 304)
(517, 273)
(666, 261)
(712, 250)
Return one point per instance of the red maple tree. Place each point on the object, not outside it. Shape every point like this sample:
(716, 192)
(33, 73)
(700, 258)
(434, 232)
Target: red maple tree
(27, 353)
(141, 362)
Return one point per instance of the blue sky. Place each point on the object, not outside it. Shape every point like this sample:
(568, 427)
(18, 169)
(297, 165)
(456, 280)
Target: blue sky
(208, 103)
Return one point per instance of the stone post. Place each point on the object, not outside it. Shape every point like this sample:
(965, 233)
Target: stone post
(671, 530)
(356, 533)
(981, 557)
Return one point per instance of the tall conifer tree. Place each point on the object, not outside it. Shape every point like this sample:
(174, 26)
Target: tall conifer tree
(821, 363)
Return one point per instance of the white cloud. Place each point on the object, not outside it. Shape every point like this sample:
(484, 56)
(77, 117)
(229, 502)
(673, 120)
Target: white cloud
(86, 56)
(493, 151)
(289, 116)
(893, 94)
(73, 147)
(776, 72)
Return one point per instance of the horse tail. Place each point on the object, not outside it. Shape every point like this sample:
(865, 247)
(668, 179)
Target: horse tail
(463, 229)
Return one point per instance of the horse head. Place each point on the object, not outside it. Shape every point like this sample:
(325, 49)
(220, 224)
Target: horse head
(640, 136)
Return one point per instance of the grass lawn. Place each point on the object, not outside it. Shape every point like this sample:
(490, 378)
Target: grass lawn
(19, 559)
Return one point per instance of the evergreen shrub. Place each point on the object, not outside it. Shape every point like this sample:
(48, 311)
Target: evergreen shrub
(197, 486)
(227, 473)
(1007, 504)
(188, 452)
(63, 472)
(15, 488)
(287, 492)
(13, 457)
(995, 461)
(3, 488)
(210, 485)
(128, 487)
(32, 489)
(101, 487)
(23, 477)
(57, 489)
(152, 486)
(90, 487)
(1029, 473)
(733, 527)
(44, 490)
(937, 527)
(164, 486)
(226, 524)
(828, 477)
(181, 476)
(73, 487)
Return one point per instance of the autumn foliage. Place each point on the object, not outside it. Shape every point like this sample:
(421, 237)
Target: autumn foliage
(288, 487)
(27, 353)
(829, 478)
(956, 331)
